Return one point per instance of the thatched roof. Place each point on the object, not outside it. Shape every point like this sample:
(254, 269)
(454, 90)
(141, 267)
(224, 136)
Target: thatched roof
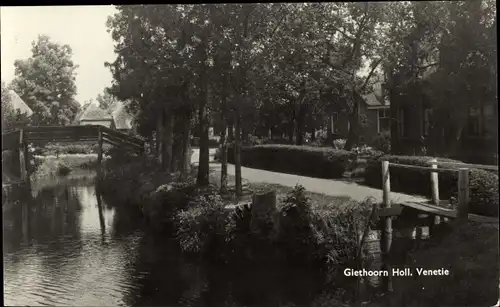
(123, 119)
(18, 104)
(93, 113)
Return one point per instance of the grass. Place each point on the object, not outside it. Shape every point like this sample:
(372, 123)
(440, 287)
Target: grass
(318, 200)
(62, 165)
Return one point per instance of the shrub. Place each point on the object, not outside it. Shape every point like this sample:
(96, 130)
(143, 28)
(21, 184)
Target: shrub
(57, 148)
(301, 160)
(63, 169)
(295, 232)
(483, 184)
(339, 143)
(201, 227)
(383, 142)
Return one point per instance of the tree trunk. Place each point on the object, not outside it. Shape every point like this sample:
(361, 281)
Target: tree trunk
(237, 153)
(353, 135)
(291, 130)
(230, 133)
(313, 134)
(159, 137)
(203, 163)
(329, 131)
(186, 147)
(223, 158)
(300, 125)
(168, 141)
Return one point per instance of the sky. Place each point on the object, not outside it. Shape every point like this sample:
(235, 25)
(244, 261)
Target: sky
(81, 27)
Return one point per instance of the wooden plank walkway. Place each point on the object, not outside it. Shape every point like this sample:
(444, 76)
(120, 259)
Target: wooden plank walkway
(448, 213)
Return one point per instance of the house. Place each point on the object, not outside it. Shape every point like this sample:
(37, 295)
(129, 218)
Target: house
(411, 133)
(122, 117)
(373, 116)
(18, 104)
(81, 112)
(94, 115)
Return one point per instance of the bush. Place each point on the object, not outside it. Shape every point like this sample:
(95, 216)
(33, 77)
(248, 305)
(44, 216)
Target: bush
(483, 184)
(65, 149)
(201, 227)
(63, 170)
(295, 232)
(383, 142)
(301, 160)
(339, 143)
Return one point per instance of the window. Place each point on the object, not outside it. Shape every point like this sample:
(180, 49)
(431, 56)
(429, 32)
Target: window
(427, 122)
(334, 120)
(474, 124)
(489, 124)
(402, 122)
(383, 120)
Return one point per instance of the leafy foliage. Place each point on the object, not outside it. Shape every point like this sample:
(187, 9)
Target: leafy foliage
(46, 82)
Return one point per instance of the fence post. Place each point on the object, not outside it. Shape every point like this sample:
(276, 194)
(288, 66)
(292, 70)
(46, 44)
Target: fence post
(99, 150)
(463, 196)
(434, 183)
(22, 158)
(386, 239)
(435, 194)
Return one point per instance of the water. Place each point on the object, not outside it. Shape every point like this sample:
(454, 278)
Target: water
(63, 246)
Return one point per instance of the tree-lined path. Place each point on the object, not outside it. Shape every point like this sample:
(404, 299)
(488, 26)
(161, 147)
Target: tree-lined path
(329, 187)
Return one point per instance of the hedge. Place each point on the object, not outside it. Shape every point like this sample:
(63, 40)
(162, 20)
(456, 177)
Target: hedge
(483, 184)
(301, 160)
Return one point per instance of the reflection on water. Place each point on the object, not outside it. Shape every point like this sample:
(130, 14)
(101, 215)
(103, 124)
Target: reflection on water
(64, 246)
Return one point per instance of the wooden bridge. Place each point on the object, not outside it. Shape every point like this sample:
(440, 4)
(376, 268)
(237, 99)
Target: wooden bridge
(18, 140)
(414, 216)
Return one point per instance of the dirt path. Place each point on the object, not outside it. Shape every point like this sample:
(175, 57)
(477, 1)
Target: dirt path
(332, 187)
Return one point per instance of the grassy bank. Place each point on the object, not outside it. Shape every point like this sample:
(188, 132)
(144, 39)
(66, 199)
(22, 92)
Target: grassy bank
(61, 165)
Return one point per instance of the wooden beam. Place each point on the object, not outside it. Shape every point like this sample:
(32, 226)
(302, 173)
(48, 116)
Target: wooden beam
(395, 210)
(463, 196)
(479, 166)
(121, 142)
(99, 152)
(124, 146)
(424, 168)
(386, 240)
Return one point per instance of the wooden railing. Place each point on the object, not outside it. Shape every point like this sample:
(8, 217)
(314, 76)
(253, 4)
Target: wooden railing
(433, 170)
(432, 214)
(18, 140)
(12, 140)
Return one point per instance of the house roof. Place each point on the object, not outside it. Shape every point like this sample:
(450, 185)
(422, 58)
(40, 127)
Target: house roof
(93, 112)
(123, 119)
(375, 98)
(18, 104)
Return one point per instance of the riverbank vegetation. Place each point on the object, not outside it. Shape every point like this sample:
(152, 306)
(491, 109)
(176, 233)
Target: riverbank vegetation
(307, 229)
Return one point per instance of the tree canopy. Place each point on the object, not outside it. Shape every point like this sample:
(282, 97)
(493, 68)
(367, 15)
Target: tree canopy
(46, 82)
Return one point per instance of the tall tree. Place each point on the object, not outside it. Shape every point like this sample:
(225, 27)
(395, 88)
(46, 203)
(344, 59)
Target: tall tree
(46, 82)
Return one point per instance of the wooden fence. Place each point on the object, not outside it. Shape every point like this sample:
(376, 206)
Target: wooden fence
(434, 213)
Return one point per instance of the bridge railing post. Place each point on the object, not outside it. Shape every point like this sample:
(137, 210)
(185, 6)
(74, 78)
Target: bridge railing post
(463, 196)
(386, 239)
(99, 150)
(435, 193)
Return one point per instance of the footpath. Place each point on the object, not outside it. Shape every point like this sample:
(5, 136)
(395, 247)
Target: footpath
(331, 187)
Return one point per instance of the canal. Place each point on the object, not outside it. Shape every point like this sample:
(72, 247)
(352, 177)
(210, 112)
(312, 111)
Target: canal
(64, 246)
